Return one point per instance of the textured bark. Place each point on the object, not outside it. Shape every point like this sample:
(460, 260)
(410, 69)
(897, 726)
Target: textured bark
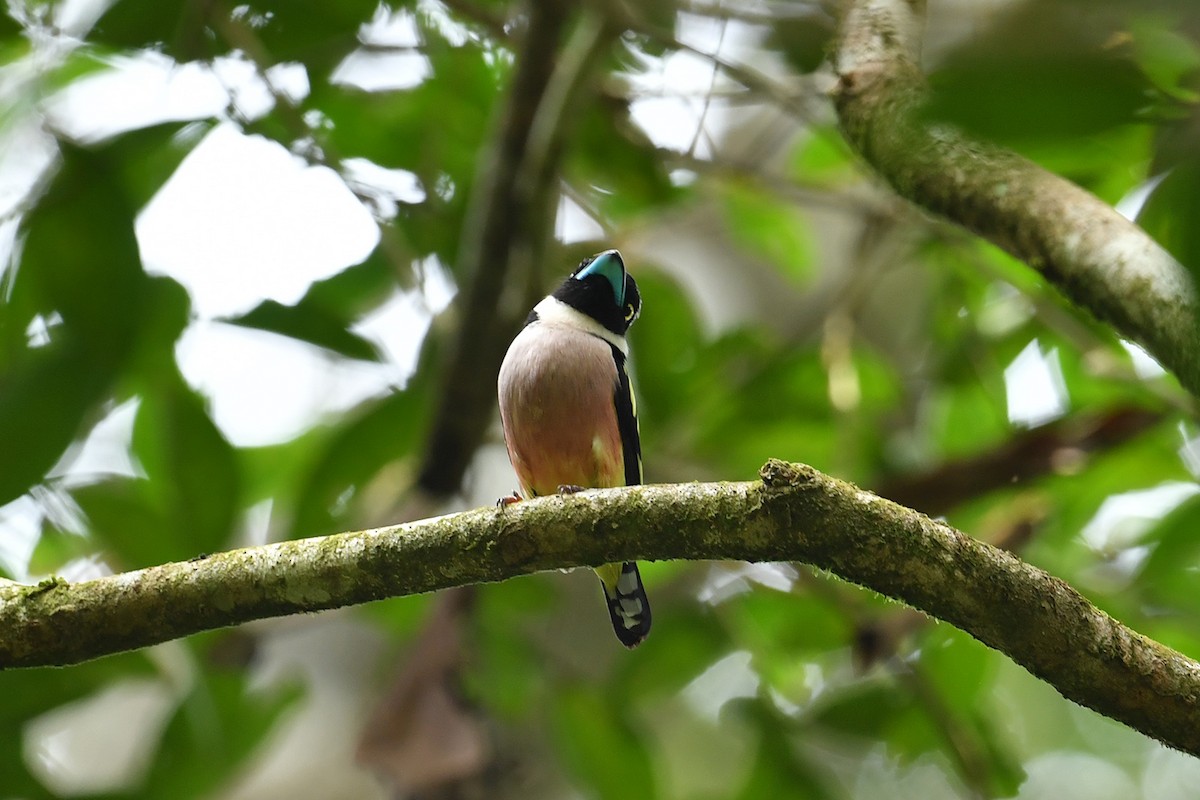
(794, 513)
(1097, 258)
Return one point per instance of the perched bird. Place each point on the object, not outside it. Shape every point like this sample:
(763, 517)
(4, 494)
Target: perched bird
(569, 415)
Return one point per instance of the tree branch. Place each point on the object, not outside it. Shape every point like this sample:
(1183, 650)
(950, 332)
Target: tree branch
(793, 513)
(507, 230)
(1096, 257)
(1024, 457)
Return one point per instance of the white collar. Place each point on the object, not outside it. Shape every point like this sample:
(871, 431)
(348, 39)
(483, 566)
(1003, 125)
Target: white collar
(553, 311)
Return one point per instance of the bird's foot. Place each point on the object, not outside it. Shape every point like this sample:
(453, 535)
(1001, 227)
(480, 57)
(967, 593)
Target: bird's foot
(508, 500)
(569, 488)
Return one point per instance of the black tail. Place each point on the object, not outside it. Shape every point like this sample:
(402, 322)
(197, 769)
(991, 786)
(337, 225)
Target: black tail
(628, 606)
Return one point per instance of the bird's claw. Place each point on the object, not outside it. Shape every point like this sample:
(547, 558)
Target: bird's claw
(508, 500)
(569, 488)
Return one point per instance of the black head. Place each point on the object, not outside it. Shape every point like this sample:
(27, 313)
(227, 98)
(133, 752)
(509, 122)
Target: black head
(601, 288)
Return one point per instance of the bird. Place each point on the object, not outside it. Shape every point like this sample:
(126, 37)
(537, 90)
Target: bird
(568, 409)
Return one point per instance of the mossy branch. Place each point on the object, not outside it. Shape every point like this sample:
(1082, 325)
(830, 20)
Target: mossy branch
(1101, 261)
(793, 513)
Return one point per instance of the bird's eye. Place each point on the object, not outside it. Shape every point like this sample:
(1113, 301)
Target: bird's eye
(630, 312)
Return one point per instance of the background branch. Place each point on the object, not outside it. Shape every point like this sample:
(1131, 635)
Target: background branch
(506, 233)
(1026, 456)
(794, 513)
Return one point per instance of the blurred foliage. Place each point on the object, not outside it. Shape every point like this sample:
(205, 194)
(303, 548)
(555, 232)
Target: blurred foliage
(791, 310)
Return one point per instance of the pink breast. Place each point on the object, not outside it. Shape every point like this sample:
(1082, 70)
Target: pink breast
(556, 399)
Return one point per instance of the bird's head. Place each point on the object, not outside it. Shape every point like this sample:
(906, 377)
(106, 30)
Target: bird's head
(602, 289)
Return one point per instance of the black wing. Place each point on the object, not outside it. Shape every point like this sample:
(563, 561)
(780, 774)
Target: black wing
(627, 423)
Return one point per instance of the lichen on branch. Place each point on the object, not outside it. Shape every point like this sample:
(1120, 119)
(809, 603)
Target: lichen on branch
(793, 513)
(1101, 261)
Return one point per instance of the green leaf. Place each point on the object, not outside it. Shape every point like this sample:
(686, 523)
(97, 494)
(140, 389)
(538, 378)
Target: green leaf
(215, 730)
(320, 34)
(56, 547)
(781, 770)
(84, 214)
(192, 470)
(1168, 57)
(803, 40)
(782, 628)
(1168, 577)
(1170, 212)
(124, 518)
(168, 308)
(686, 640)
(44, 400)
(625, 172)
(1005, 773)
(188, 501)
(380, 432)
(597, 743)
(506, 617)
(1042, 73)
(49, 390)
(1048, 97)
(79, 64)
(9, 28)
(355, 290)
(769, 229)
(330, 307)
(13, 49)
(391, 128)
(1142, 463)
(30, 692)
(666, 342)
(958, 665)
(308, 323)
(176, 27)
(967, 419)
(146, 158)
(870, 710)
(740, 431)
(822, 157)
